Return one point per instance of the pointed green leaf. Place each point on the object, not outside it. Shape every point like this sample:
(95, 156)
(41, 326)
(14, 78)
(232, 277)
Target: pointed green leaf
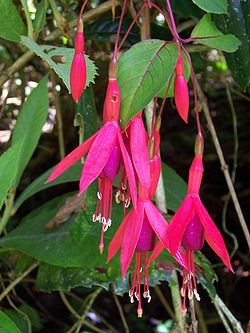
(214, 37)
(142, 71)
(212, 6)
(8, 168)
(7, 325)
(47, 52)
(11, 24)
(29, 125)
(40, 18)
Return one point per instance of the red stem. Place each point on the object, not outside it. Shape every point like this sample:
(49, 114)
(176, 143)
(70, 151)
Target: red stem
(195, 91)
(83, 6)
(131, 26)
(119, 29)
(175, 33)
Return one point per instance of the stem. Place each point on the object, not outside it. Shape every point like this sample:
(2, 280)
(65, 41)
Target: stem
(8, 209)
(83, 6)
(176, 36)
(119, 307)
(119, 29)
(193, 317)
(233, 173)
(201, 320)
(76, 315)
(17, 280)
(89, 15)
(223, 318)
(224, 166)
(164, 302)
(176, 297)
(28, 19)
(233, 321)
(59, 120)
(60, 21)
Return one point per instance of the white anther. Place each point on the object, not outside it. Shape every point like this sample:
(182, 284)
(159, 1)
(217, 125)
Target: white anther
(197, 296)
(124, 187)
(140, 270)
(103, 220)
(109, 222)
(131, 299)
(105, 227)
(136, 296)
(127, 203)
(99, 195)
(149, 299)
(94, 218)
(98, 218)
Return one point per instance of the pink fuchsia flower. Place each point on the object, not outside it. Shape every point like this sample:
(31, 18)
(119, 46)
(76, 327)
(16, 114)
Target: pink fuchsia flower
(139, 229)
(191, 225)
(181, 96)
(105, 151)
(78, 66)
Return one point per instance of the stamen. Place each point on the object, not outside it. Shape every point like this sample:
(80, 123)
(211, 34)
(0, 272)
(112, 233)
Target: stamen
(197, 296)
(127, 203)
(124, 187)
(99, 217)
(183, 291)
(117, 197)
(99, 195)
(190, 294)
(94, 218)
(137, 296)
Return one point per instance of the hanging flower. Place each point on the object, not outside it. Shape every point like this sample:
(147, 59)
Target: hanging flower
(78, 66)
(139, 229)
(181, 96)
(190, 226)
(105, 150)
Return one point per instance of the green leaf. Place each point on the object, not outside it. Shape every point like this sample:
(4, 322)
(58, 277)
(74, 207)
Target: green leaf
(187, 73)
(86, 109)
(142, 71)
(11, 24)
(185, 8)
(238, 22)
(7, 325)
(51, 278)
(40, 18)
(207, 276)
(175, 187)
(47, 52)
(8, 168)
(212, 6)
(29, 125)
(56, 247)
(214, 37)
(70, 175)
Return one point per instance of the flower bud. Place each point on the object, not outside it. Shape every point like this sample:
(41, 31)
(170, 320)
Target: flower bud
(181, 96)
(78, 66)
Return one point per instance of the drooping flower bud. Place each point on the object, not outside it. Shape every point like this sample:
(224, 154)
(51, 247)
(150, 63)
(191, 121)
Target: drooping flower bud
(181, 96)
(78, 66)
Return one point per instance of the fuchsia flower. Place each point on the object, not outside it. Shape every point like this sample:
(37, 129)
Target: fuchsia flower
(105, 151)
(190, 226)
(181, 96)
(138, 230)
(78, 66)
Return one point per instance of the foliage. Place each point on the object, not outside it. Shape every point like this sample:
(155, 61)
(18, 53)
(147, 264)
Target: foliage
(33, 224)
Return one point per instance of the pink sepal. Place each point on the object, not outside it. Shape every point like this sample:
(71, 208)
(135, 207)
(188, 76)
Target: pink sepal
(139, 151)
(72, 158)
(99, 154)
(212, 234)
(131, 236)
